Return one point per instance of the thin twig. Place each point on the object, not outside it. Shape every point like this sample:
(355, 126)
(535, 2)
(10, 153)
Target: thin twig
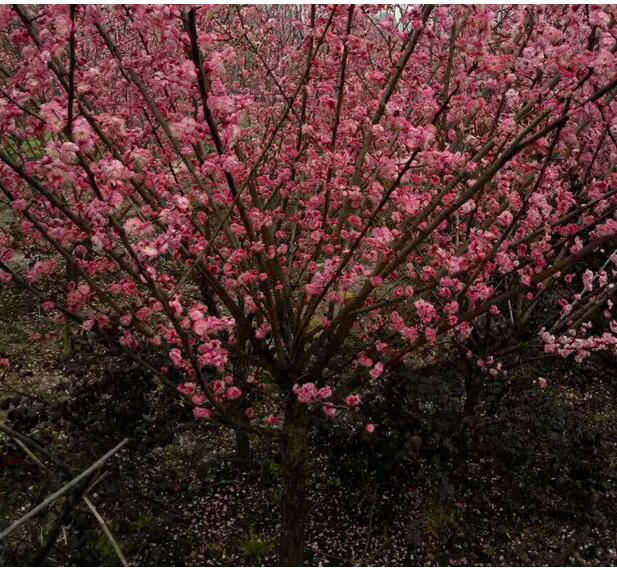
(30, 454)
(98, 480)
(106, 530)
(35, 446)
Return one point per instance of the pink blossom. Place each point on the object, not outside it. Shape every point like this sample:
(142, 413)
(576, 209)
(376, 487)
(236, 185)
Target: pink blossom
(202, 413)
(430, 334)
(305, 393)
(426, 311)
(353, 400)
(41, 269)
(272, 420)
(19, 205)
(588, 280)
(129, 341)
(370, 428)
(377, 370)
(329, 410)
(324, 393)
(505, 218)
(198, 399)
(176, 357)
(211, 325)
(233, 393)
(187, 388)
(143, 314)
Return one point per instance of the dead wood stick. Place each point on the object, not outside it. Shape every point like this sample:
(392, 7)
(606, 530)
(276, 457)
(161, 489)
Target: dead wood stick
(49, 500)
(106, 530)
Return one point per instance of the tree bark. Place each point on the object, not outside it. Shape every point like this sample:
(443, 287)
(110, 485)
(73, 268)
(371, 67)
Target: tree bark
(243, 447)
(67, 339)
(473, 387)
(294, 506)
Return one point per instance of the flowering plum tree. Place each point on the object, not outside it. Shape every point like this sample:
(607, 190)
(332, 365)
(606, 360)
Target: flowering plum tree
(275, 204)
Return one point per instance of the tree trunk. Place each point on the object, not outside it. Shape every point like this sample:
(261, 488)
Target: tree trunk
(473, 388)
(67, 339)
(243, 447)
(294, 449)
